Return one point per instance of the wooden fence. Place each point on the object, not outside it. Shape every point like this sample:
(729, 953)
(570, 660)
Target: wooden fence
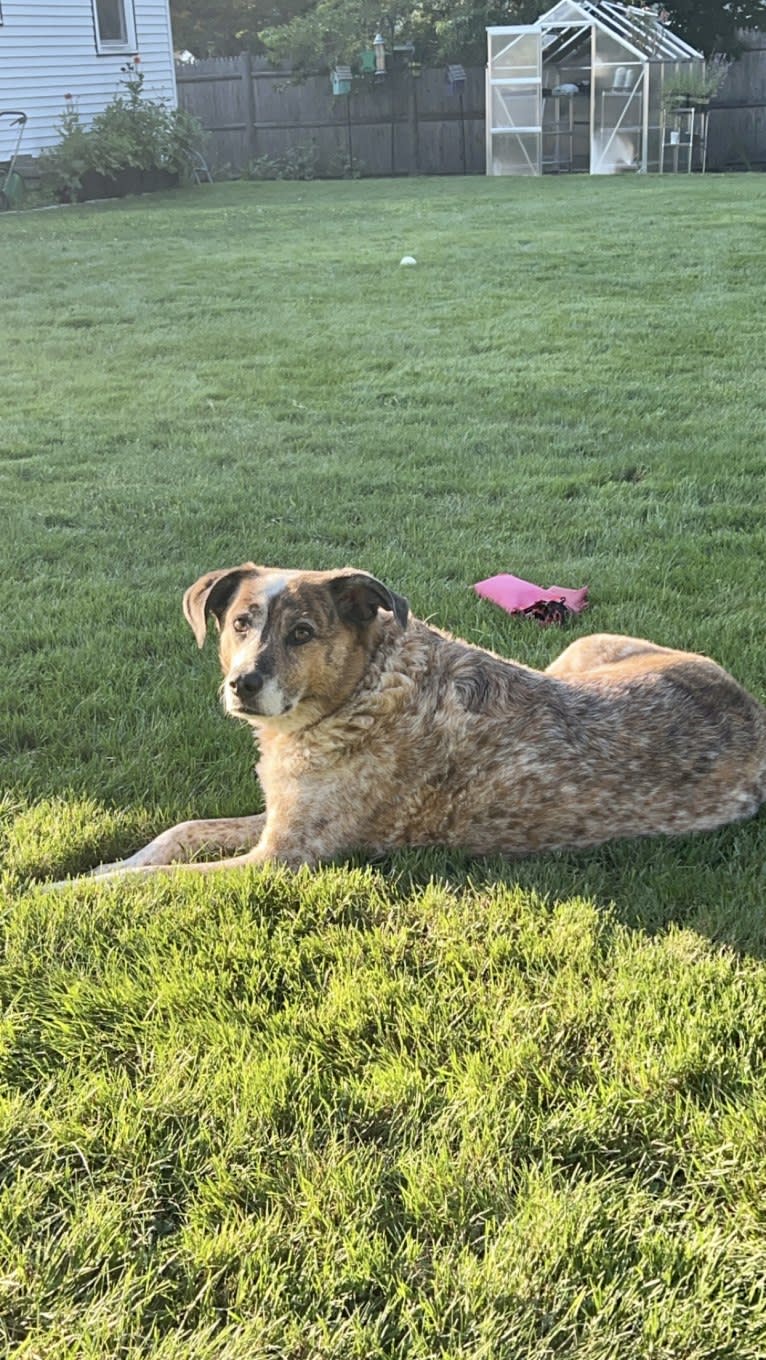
(408, 124)
(737, 137)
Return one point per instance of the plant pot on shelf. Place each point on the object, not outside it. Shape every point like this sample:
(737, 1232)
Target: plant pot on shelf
(690, 106)
(682, 101)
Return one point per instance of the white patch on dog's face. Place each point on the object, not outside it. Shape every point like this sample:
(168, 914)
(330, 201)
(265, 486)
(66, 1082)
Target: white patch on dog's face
(276, 584)
(271, 700)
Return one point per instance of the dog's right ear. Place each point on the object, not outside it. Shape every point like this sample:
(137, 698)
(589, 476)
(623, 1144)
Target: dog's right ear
(210, 595)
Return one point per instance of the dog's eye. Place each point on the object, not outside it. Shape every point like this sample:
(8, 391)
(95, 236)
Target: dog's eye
(302, 632)
(241, 623)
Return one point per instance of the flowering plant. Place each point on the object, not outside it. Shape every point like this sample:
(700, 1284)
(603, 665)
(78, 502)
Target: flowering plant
(132, 133)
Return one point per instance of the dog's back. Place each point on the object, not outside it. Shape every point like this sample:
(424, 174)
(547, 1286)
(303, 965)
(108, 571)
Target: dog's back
(618, 738)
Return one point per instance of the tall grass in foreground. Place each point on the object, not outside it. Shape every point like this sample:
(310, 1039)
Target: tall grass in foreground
(428, 1108)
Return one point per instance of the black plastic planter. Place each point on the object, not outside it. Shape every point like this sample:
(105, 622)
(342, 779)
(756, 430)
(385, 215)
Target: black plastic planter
(124, 182)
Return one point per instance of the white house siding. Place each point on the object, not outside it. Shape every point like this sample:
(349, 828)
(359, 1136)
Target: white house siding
(48, 49)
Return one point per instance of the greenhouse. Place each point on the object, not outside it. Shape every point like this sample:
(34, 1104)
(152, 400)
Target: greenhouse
(598, 88)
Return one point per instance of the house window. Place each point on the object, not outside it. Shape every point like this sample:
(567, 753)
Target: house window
(115, 26)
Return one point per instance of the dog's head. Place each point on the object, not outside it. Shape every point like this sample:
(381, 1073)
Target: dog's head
(291, 642)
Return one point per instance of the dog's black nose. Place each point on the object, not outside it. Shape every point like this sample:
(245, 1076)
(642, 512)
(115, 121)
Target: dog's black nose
(248, 685)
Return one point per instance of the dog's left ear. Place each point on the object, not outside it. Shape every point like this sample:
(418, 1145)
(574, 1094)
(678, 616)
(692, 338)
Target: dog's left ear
(210, 595)
(358, 597)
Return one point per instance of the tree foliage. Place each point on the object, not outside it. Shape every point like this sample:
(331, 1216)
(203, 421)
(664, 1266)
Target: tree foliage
(222, 28)
(711, 26)
(309, 34)
(336, 30)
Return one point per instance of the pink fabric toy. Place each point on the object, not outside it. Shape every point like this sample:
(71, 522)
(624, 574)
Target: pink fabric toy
(515, 595)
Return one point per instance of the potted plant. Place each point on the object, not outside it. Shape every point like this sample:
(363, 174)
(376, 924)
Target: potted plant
(693, 89)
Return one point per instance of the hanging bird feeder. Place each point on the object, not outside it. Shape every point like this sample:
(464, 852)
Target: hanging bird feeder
(341, 80)
(456, 79)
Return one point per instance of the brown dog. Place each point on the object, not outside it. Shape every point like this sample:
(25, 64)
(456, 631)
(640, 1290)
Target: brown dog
(377, 731)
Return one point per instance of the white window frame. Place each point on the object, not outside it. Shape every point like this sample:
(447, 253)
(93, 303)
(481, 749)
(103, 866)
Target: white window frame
(106, 48)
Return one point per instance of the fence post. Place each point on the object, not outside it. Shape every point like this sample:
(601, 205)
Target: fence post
(412, 110)
(246, 68)
(392, 111)
(349, 142)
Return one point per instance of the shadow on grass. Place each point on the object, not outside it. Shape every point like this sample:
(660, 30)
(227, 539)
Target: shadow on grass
(713, 884)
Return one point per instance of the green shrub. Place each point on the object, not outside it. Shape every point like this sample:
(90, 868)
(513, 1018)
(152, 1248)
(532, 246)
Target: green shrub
(302, 162)
(131, 133)
(298, 162)
(62, 167)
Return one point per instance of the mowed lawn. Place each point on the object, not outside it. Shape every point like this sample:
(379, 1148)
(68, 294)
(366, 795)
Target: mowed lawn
(427, 1108)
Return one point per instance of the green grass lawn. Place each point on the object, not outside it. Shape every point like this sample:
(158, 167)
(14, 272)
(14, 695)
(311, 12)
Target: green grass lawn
(427, 1108)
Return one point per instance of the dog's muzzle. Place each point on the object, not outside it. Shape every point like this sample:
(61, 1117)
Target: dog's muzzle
(247, 687)
(256, 694)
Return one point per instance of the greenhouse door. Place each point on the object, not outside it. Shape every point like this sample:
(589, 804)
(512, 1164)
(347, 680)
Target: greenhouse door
(514, 102)
(618, 106)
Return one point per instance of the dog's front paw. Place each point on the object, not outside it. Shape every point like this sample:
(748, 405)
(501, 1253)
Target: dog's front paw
(101, 871)
(57, 884)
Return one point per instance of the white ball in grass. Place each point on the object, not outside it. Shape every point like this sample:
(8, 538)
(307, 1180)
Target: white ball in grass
(408, 259)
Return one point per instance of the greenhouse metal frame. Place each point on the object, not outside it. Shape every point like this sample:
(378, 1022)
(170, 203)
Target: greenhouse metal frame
(582, 90)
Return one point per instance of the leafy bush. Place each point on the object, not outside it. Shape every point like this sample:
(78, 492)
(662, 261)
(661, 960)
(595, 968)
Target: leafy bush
(302, 162)
(64, 165)
(131, 133)
(298, 162)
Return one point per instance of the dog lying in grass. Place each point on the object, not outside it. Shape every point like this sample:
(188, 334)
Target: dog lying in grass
(377, 732)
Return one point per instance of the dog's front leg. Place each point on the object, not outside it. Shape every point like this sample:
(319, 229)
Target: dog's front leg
(290, 833)
(182, 842)
(169, 852)
(297, 836)
(294, 841)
